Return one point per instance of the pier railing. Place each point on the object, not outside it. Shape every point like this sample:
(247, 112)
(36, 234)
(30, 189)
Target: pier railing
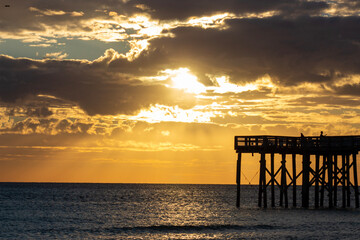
(296, 144)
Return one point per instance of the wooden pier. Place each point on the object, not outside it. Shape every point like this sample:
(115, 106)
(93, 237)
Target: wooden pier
(335, 168)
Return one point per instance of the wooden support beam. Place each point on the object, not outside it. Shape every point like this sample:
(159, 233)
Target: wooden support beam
(238, 177)
(356, 186)
(330, 180)
(261, 179)
(335, 177)
(347, 180)
(343, 180)
(317, 164)
(272, 180)
(323, 173)
(294, 178)
(264, 180)
(305, 182)
(283, 179)
(282, 183)
(267, 170)
(260, 185)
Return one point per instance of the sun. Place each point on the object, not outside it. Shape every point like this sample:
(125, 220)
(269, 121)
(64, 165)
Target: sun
(182, 79)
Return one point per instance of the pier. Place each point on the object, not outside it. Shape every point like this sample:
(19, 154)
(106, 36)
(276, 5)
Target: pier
(327, 162)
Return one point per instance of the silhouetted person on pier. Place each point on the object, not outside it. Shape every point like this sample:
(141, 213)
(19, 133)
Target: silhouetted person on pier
(303, 140)
(322, 138)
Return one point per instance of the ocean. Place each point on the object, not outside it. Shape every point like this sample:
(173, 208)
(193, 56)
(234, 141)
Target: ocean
(159, 211)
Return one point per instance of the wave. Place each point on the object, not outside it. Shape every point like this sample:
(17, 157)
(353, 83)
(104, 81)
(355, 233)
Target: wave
(194, 228)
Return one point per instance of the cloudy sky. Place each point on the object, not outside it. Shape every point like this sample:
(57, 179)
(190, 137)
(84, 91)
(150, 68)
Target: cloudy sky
(154, 91)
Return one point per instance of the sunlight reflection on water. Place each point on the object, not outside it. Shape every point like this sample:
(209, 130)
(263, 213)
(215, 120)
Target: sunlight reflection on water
(135, 211)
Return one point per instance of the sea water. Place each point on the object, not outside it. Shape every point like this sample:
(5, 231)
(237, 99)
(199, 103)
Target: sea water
(159, 211)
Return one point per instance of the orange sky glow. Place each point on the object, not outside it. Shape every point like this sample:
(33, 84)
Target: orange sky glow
(154, 92)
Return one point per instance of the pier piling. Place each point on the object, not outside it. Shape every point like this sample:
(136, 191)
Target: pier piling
(294, 178)
(272, 179)
(317, 176)
(238, 177)
(356, 186)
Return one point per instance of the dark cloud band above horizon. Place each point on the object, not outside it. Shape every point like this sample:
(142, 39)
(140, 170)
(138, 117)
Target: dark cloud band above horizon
(174, 9)
(299, 43)
(304, 49)
(91, 87)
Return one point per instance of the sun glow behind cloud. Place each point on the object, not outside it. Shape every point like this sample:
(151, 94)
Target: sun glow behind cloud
(182, 79)
(224, 86)
(210, 21)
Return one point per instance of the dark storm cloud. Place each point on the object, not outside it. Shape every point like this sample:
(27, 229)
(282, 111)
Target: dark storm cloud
(32, 15)
(291, 51)
(349, 89)
(38, 14)
(175, 9)
(88, 84)
(292, 48)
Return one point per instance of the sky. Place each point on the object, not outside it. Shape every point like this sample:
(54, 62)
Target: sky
(135, 91)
